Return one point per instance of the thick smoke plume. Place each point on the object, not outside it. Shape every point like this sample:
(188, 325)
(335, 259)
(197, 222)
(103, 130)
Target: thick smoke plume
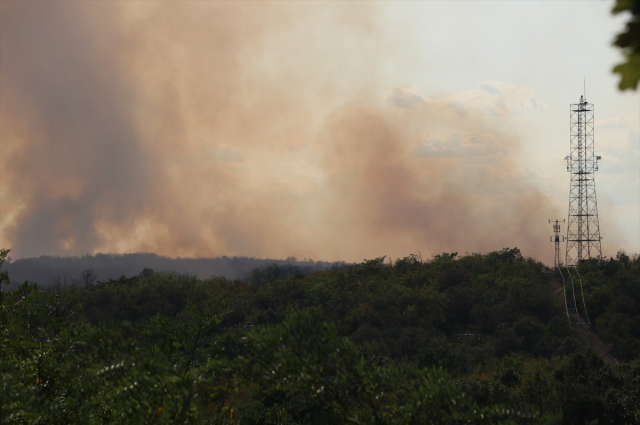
(244, 128)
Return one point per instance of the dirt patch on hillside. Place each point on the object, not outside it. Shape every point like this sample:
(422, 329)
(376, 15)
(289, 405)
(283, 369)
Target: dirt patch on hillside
(589, 338)
(587, 334)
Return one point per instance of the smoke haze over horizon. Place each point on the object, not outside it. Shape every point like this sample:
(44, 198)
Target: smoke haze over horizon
(261, 129)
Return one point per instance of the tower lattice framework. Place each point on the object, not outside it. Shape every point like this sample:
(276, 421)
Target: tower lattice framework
(583, 228)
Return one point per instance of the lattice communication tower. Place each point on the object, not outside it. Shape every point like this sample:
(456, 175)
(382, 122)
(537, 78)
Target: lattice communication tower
(583, 228)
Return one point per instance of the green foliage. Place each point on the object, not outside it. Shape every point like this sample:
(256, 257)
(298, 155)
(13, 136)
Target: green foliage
(612, 295)
(4, 277)
(60, 371)
(375, 343)
(593, 392)
(299, 371)
(629, 42)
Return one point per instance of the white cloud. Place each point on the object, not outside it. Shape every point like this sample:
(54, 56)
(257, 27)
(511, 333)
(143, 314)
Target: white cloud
(403, 97)
(454, 145)
(496, 98)
(489, 98)
(618, 134)
(629, 121)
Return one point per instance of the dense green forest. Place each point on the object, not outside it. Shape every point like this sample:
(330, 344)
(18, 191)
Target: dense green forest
(450, 339)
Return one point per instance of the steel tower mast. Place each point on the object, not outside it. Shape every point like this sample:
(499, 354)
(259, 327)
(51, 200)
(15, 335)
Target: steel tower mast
(583, 228)
(556, 239)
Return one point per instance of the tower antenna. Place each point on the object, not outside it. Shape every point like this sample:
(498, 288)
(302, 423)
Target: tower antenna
(583, 227)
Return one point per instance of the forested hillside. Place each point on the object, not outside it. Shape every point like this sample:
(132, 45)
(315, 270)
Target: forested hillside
(381, 342)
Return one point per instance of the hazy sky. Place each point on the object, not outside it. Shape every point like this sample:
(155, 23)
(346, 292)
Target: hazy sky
(325, 130)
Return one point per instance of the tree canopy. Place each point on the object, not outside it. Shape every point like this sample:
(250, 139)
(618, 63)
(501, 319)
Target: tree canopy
(381, 342)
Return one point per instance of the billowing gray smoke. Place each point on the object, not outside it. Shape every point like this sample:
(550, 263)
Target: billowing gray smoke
(241, 128)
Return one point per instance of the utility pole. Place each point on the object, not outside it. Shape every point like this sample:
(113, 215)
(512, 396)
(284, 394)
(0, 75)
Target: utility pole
(556, 239)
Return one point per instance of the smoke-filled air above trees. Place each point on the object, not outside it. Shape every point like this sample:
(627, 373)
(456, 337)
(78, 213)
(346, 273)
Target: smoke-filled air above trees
(335, 131)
